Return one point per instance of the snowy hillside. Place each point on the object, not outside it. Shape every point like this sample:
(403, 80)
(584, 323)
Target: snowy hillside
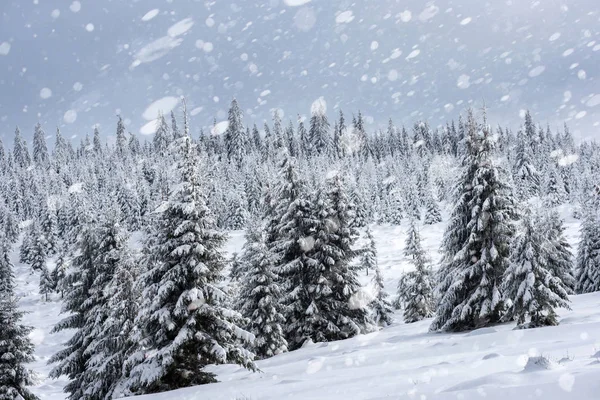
(400, 361)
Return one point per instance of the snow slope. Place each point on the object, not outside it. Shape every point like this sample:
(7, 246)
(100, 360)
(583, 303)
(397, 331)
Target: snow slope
(401, 361)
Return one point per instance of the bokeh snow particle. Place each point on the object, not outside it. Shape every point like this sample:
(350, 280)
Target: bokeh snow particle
(150, 15)
(463, 82)
(566, 382)
(405, 16)
(180, 27)
(45, 93)
(305, 19)
(429, 12)
(75, 6)
(537, 71)
(70, 116)
(296, 3)
(4, 48)
(164, 105)
(344, 17)
(593, 101)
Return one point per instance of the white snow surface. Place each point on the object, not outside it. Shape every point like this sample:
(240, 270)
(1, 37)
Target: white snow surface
(403, 361)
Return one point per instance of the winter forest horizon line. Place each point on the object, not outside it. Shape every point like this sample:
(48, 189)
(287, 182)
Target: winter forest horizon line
(130, 238)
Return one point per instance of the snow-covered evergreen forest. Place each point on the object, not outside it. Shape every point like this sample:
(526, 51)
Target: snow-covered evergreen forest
(130, 238)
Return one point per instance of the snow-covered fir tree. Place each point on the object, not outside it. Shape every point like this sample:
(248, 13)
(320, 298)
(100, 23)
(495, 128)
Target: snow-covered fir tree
(588, 254)
(234, 135)
(433, 214)
(419, 282)
(37, 252)
(71, 361)
(476, 243)
(380, 306)
(47, 284)
(560, 257)
(533, 289)
(16, 349)
(260, 295)
(113, 307)
(184, 323)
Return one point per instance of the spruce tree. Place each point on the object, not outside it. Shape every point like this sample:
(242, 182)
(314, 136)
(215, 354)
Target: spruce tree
(318, 134)
(37, 254)
(47, 284)
(380, 306)
(234, 135)
(20, 151)
(527, 177)
(49, 230)
(560, 257)
(419, 288)
(531, 286)
(79, 287)
(588, 254)
(121, 141)
(476, 243)
(60, 270)
(260, 295)
(113, 304)
(335, 237)
(184, 324)
(40, 149)
(97, 142)
(16, 348)
(314, 247)
(289, 236)
(433, 214)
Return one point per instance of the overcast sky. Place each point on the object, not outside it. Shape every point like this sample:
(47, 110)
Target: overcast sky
(77, 64)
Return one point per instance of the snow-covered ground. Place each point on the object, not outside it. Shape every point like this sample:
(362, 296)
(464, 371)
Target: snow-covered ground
(403, 361)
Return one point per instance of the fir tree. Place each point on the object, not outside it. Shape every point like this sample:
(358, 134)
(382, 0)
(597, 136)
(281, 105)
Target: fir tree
(318, 134)
(121, 144)
(314, 250)
(289, 237)
(530, 285)
(381, 308)
(527, 177)
(433, 215)
(49, 230)
(162, 136)
(476, 243)
(47, 284)
(260, 296)
(20, 151)
(555, 188)
(37, 254)
(184, 325)
(60, 270)
(40, 149)
(560, 258)
(78, 284)
(234, 135)
(419, 288)
(97, 142)
(16, 348)
(588, 254)
(113, 304)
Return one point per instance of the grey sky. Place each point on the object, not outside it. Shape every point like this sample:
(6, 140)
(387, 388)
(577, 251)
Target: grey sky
(76, 64)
